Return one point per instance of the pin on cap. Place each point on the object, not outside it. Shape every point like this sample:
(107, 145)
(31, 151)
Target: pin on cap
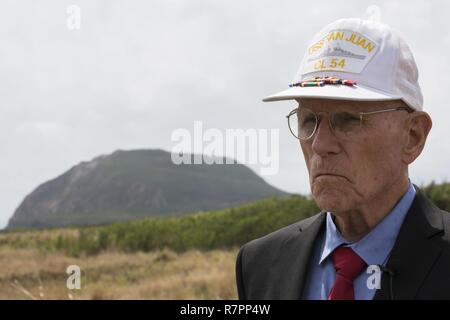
(354, 59)
(320, 82)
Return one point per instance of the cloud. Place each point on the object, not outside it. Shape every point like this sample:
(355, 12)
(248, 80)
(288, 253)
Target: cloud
(44, 130)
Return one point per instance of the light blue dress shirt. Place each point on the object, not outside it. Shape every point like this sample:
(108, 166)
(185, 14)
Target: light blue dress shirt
(374, 249)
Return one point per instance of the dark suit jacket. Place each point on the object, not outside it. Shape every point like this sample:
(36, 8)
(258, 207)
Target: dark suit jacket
(276, 265)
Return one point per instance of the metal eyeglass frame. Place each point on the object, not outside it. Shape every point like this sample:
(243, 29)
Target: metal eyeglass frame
(360, 114)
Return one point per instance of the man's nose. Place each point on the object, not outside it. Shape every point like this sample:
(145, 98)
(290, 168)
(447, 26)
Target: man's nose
(324, 141)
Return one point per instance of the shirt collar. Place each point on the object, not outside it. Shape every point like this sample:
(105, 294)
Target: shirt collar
(373, 248)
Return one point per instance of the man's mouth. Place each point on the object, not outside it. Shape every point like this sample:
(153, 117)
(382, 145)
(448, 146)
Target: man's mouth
(326, 174)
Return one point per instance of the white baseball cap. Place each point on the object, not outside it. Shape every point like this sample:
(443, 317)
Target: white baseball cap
(367, 53)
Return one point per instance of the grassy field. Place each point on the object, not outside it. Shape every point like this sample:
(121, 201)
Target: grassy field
(125, 260)
(162, 274)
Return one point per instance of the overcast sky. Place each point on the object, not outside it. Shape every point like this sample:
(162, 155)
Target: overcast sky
(137, 70)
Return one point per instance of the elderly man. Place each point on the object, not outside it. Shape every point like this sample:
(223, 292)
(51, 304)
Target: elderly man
(360, 124)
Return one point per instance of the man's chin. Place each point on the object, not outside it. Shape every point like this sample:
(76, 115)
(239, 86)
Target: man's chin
(330, 199)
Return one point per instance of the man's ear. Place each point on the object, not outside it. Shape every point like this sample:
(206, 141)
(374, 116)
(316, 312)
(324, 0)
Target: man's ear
(418, 126)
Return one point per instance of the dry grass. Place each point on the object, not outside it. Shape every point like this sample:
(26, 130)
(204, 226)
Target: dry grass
(28, 274)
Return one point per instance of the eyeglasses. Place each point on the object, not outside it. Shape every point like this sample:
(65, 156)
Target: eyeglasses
(303, 122)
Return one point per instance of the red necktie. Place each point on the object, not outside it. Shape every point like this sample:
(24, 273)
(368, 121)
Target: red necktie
(348, 266)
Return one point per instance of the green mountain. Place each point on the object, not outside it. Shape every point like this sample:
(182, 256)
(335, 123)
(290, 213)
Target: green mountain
(129, 185)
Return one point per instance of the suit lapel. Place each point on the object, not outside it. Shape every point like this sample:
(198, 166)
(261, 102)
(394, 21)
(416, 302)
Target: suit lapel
(414, 252)
(295, 256)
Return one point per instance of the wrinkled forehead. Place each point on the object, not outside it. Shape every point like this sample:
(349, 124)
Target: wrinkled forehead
(347, 105)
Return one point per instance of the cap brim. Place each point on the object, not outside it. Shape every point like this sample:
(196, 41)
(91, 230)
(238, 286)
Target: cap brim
(338, 92)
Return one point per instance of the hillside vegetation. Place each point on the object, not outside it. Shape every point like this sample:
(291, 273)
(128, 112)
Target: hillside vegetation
(204, 230)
